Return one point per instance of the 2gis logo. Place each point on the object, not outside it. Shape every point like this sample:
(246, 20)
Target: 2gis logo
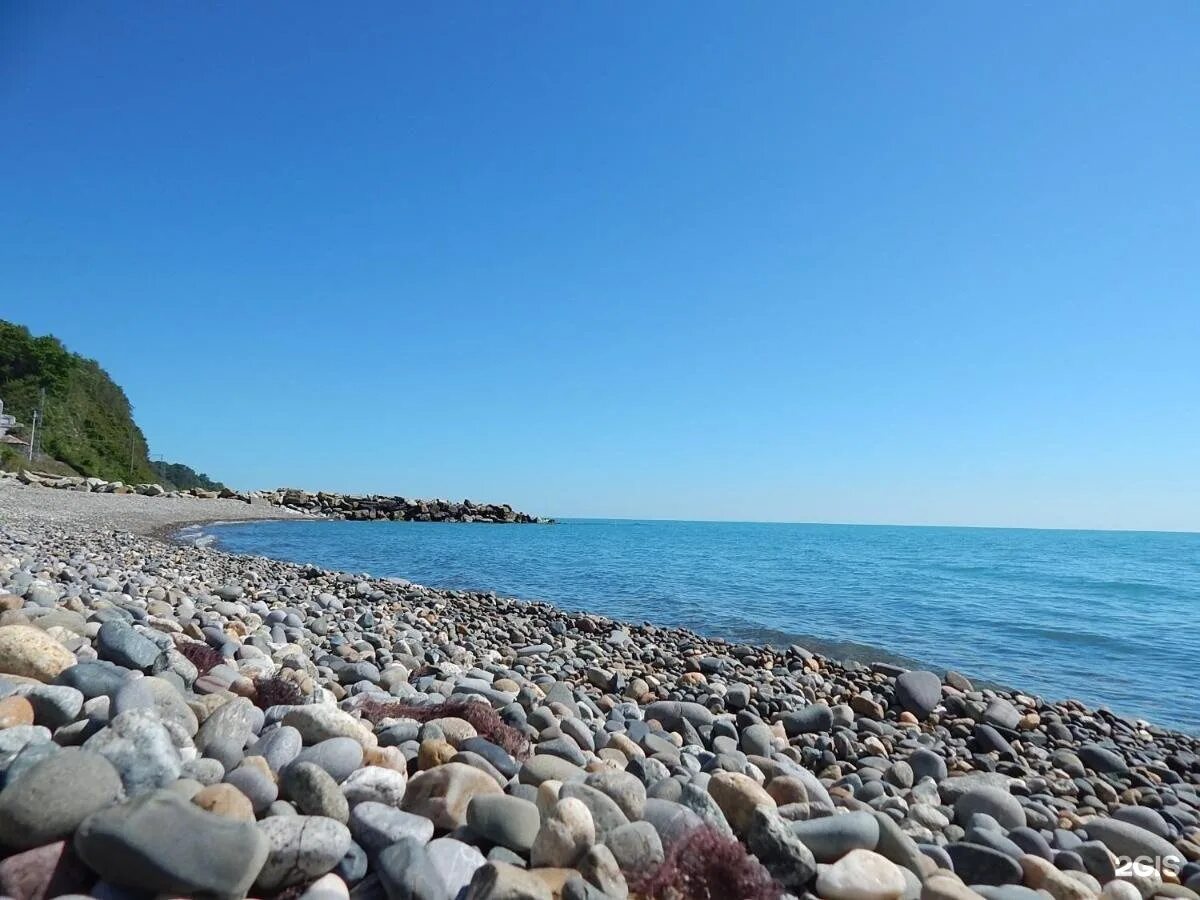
(1145, 866)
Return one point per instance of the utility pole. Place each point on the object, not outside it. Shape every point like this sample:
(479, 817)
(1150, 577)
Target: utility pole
(33, 435)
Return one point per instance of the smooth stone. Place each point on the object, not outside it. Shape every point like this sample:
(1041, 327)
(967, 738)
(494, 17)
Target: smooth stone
(337, 756)
(637, 847)
(14, 711)
(94, 678)
(224, 734)
(302, 848)
(260, 789)
(502, 881)
(327, 887)
(53, 705)
(810, 719)
(623, 789)
(995, 802)
(1001, 713)
(223, 800)
(140, 747)
(352, 867)
(278, 746)
(376, 827)
(314, 792)
(375, 784)
(442, 794)
(31, 653)
(672, 821)
(599, 868)
(738, 796)
(57, 793)
(549, 768)
(777, 847)
(927, 764)
(672, 714)
(977, 864)
(438, 870)
(832, 837)
(1144, 817)
(918, 692)
(320, 722)
(170, 704)
(894, 844)
(138, 845)
(508, 821)
(1127, 839)
(119, 643)
(564, 835)
(51, 870)
(861, 875)
(1103, 760)
(500, 760)
(605, 813)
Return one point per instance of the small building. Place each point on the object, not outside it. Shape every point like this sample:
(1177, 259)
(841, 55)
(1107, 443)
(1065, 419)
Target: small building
(7, 423)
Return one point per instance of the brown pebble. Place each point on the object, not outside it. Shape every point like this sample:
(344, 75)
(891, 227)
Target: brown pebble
(15, 711)
(225, 800)
(434, 753)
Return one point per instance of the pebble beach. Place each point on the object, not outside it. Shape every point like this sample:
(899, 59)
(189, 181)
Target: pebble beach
(180, 721)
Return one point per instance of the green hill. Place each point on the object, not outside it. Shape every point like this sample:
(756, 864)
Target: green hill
(87, 420)
(183, 477)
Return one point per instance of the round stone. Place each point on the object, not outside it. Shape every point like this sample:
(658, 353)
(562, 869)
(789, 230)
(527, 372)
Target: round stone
(443, 794)
(50, 799)
(992, 801)
(738, 796)
(225, 800)
(139, 845)
(861, 875)
(508, 821)
(32, 653)
(314, 792)
(302, 848)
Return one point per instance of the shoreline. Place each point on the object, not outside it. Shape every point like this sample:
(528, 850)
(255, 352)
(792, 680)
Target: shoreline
(841, 651)
(516, 749)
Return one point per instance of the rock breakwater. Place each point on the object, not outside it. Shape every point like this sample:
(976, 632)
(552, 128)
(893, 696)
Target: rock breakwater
(321, 504)
(182, 721)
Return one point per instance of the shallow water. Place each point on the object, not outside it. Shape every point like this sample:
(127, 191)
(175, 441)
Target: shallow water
(1107, 617)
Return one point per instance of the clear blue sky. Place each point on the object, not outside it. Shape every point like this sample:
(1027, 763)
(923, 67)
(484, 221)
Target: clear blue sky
(889, 262)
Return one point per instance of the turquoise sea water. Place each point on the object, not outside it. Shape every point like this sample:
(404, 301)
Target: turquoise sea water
(1107, 617)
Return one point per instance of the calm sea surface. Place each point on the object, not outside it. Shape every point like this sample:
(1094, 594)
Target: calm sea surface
(1107, 617)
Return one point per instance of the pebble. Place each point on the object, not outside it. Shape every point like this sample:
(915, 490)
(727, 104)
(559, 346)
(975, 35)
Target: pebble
(340, 757)
(832, 837)
(443, 794)
(302, 848)
(314, 792)
(995, 802)
(564, 835)
(57, 793)
(919, 692)
(120, 644)
(140, 747)
(861, 875)
(32, 653)
(501, 819)
(224, 800)
(738, 796)
(138, 845)
(375, 784)
(15, 711)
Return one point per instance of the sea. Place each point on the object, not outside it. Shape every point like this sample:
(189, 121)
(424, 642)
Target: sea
(1106, 617)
